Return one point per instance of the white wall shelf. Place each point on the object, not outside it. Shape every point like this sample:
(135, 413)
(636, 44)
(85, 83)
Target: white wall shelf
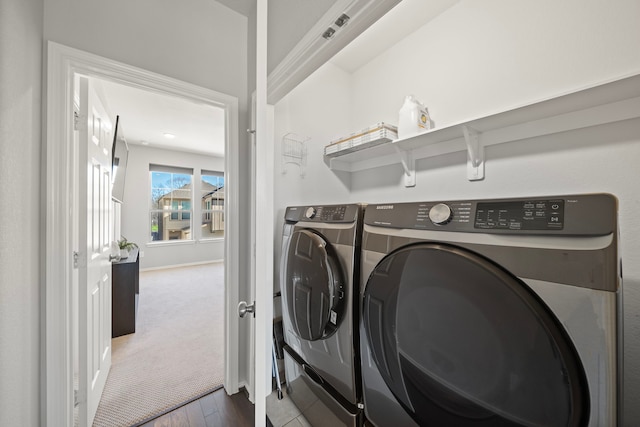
(605, 103)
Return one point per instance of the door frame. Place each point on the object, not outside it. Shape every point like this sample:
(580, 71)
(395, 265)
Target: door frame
(263, 220)
(63, 64)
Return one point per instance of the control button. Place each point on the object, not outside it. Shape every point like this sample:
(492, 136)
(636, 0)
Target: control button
(310, 212)
(440, 214)
(555, 207)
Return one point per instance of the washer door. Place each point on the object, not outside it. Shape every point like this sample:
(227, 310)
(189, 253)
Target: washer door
(314, 286)
(461, 342)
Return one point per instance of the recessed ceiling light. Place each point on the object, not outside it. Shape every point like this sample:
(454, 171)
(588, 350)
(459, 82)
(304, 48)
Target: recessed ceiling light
(169, 135)
(145, 142)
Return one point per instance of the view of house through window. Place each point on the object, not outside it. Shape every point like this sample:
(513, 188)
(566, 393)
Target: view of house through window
(173, 193)
(212, 201)
(171, 203)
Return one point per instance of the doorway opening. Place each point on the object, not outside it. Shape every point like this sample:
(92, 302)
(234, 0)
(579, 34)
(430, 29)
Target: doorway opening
(168, 348)
(64, 64)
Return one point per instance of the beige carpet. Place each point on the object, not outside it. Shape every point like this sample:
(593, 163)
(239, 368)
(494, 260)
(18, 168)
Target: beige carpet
(176, 353)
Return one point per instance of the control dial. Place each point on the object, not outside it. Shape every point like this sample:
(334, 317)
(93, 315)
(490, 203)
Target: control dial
(440, 214)
(310, 212)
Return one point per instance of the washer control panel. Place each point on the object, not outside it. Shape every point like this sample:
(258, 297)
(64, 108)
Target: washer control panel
(323, 213)
(330, 213)
(520, 215)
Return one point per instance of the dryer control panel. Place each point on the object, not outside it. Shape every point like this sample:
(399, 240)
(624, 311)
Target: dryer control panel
(586, 214)
(520, 215)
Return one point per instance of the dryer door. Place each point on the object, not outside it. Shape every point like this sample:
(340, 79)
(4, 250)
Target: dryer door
(462, 342)
(314, 285)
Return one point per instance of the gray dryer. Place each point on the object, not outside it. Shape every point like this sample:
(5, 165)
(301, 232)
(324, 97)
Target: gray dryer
(501, 312)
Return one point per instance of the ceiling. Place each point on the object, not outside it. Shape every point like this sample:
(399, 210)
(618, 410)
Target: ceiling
(243, 7)
(199, 128)
(146, 116)
(405, 18)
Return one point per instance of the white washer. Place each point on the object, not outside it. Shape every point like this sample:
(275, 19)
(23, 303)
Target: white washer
(492, 313)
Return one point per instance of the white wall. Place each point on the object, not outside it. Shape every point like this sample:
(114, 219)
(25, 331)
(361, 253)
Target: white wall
(478, 58)
(197, 41)
(482, 57)
(319, 109)
(20, 183)
(137, 201)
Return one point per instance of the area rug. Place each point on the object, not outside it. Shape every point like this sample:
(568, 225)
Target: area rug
(177, 351)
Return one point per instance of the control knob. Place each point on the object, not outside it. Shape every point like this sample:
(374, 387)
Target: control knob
(440, 214)
(310, 212)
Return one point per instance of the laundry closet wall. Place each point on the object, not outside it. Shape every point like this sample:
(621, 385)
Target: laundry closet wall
(22, 232)
(473, 60)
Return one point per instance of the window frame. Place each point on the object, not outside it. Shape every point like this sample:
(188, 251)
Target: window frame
(207, 212)
(179, 214)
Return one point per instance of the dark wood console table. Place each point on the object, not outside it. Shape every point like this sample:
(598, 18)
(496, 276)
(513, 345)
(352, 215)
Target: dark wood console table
(126, 289)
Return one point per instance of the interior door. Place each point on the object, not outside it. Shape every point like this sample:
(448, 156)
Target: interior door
(94, 266)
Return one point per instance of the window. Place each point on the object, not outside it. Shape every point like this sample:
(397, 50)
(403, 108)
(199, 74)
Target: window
(171, 203)
(212, 200)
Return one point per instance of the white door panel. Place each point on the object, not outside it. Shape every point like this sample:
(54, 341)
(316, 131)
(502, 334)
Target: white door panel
(94, 266)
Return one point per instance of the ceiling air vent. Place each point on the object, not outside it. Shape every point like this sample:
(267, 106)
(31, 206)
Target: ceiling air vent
(329, 33)
(342, 20)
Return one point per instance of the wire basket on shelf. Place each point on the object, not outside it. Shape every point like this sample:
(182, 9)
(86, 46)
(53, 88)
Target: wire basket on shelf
(294, 151)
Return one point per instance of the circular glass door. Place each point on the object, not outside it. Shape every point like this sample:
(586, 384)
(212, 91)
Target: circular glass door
(461, 342)
(314, 286)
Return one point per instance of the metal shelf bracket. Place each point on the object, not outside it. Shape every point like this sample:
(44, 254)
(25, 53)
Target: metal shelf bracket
(475, 154)
(409, 165)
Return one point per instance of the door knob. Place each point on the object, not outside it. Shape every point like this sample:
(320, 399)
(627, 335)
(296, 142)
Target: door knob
(244, 308)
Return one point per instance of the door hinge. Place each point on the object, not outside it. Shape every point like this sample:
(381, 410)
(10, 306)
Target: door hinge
(79, 121)
(76, 402)
(76, 255)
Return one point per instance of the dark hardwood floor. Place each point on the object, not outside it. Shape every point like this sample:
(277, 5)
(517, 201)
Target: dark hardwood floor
(213, 410)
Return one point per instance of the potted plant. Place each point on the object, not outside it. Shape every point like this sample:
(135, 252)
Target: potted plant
(125, 247)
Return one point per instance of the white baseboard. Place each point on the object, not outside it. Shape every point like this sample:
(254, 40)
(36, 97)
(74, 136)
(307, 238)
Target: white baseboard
(189, 264)
(243, 386)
